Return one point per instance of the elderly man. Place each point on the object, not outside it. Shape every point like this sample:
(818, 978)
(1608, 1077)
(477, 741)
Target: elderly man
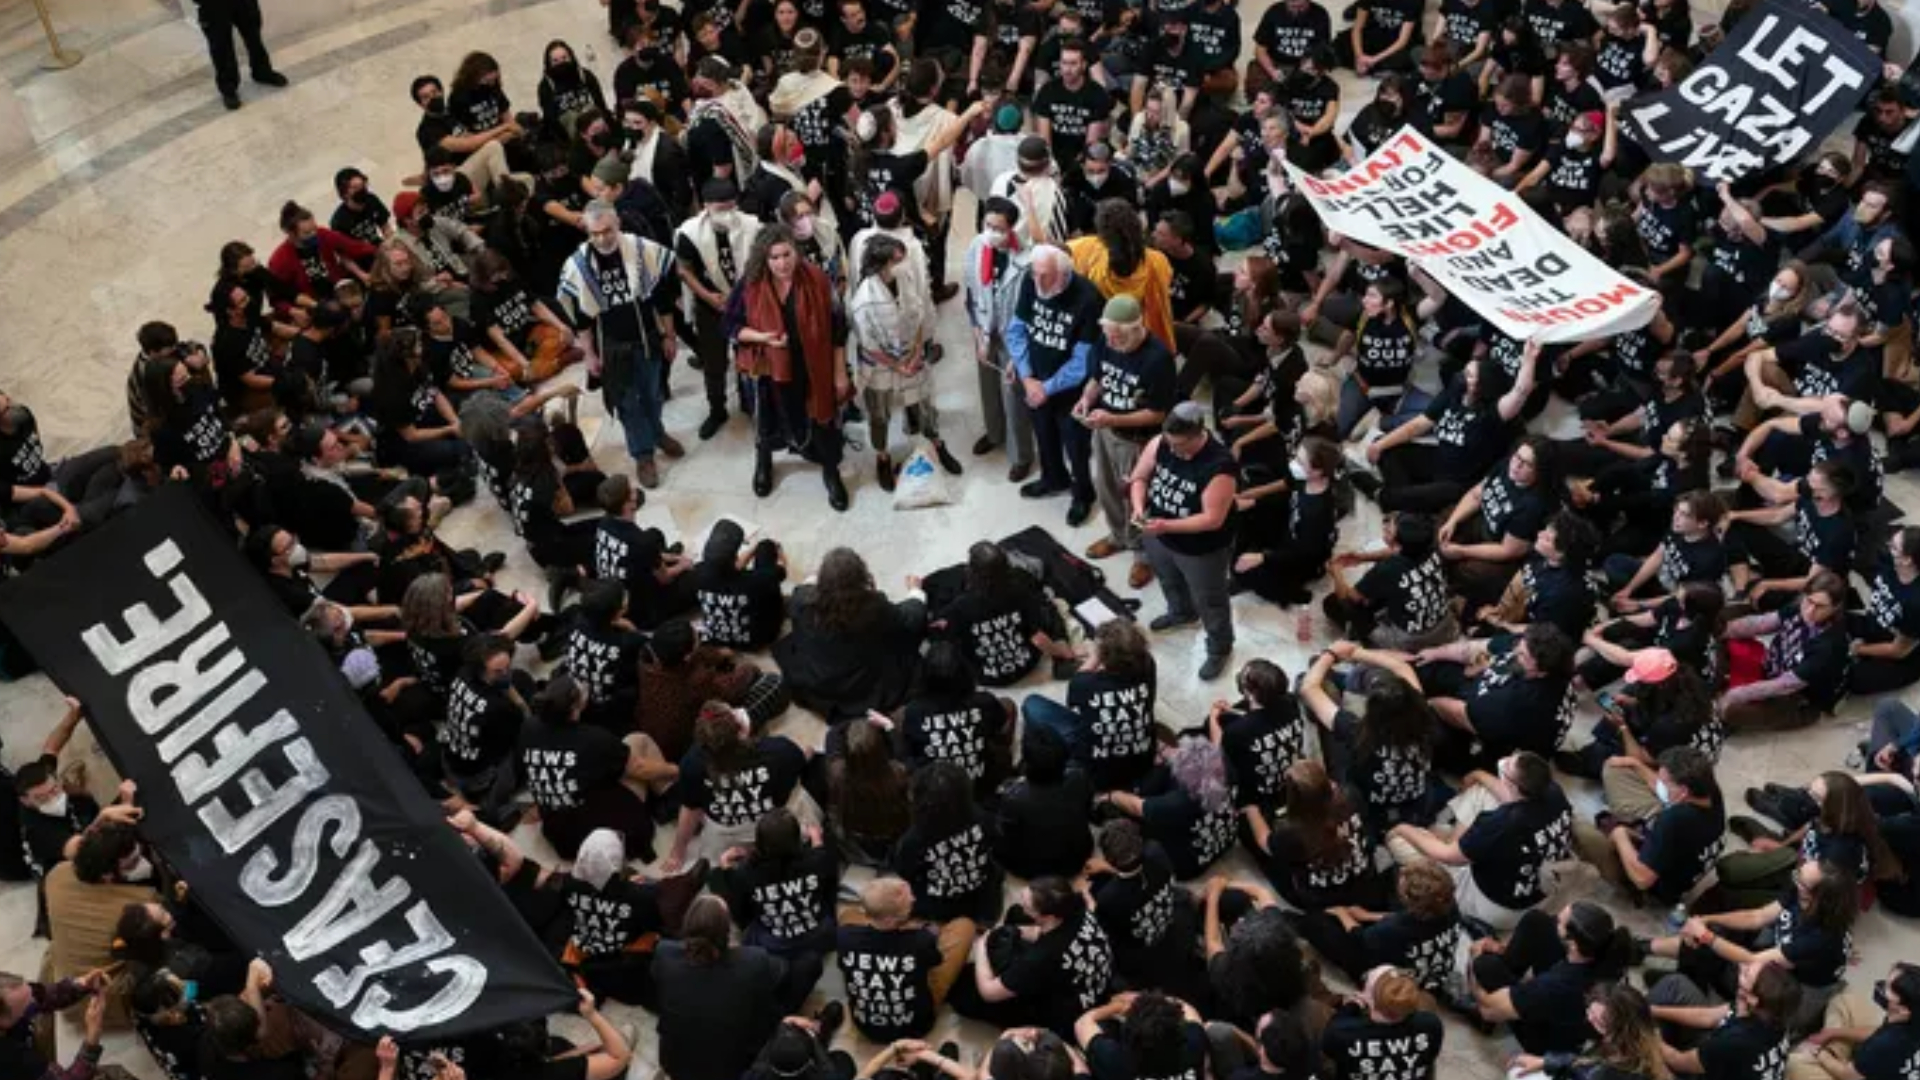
(1130, 390)
(621, 290)
(1055, 322)
(995, 267)
(711, 248)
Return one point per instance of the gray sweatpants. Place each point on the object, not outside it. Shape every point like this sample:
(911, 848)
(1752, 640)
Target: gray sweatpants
(1197, 585)
(880, 406)
(1114, 457)
(1003, 406)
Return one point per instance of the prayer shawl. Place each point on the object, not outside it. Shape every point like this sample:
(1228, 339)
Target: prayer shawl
(884, 329)
(991, 296)
(1150, 283)
(813, 312)
(1043, 205)
(934, 189)
(698, 231)
(643, 152)
(989, 158)
(822, 210)
(829, 256)
(910, 276)
(720, 110)
(647, 264)
(798, 89)
(1153, 150)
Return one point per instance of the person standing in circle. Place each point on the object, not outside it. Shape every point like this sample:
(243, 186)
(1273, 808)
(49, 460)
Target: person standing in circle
(219, 19)
(1182, 494)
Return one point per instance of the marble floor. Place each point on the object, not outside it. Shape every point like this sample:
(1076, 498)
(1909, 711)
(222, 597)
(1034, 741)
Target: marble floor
(116, 219)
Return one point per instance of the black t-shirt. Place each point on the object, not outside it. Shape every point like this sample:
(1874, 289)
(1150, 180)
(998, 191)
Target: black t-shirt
(1465, 21)
(483, 725)
(1552, 1008)
(1057, 324)
(1826, 539)
(764, 783)
(1384, 351)
(950, 874)
(1260, 745)
(1325, 878)
(1214, 33)
(1193, 287)
(363, 222)
(1818, 369)
(1510, 711)
(1390, 776)
(1194, 837)
(1289, 37)
(1142, 911)
(1109, 1057)
(1063, 973)
(1118, 715)
(43, 837)
(1470, 436)
(23, 460)
(1563, 106)
(1557, 594)
(604, 659)
(608, 919)
(1523, 131)
(1141, 379)
(1042, 828)
(1384, 20)
(1820, 659)
(1511, 510)
(1620, 62)
(792, 903)
(1069, 112)
(1744, 1048)
(1894, 606)
(508, 307)
(1681, 844)
(239, 351)
(741, 609)
(870, 43)
(887, 171)
(196, 434)
(1818, 957)
(956, 731)
(1891, 1053)
(1361, 1048)
(1177, 490)
(997, 632)
(435, 128)
(530, 495)
(1511, 845)
(886, 973)
(1429, 948)
(1558, 24)
(1406, 595)
(175, 1047)
(562, 764)
(1857, 453)
(623, 552)
(1663, 229)
(1434, 101)
(1573, 176)
(436, 657)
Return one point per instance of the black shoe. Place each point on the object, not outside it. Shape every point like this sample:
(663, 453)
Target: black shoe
(1040, 489)
(716, 419)
(554, 645)
(1214, 665)
(560, 581)
(1572, 764)
(1163, 623)
(946, 459)
(492, 561)
(694, 361)
(883, 471)
(830, 1017)
(1018, 473)
(944, 293)
(854, 414)
(836, 491)
(763, 474)
(269, 78)
(1078, 513)
(230, 98)
(983, 446)
(1365, 483)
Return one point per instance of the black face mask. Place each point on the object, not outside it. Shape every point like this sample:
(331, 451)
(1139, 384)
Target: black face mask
(565, 69)
(1880, 994)
(437, 106)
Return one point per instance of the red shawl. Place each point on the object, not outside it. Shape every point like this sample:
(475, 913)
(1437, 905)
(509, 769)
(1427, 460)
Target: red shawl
(813, 311)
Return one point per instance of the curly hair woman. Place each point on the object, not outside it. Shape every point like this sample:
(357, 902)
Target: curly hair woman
(851, 651)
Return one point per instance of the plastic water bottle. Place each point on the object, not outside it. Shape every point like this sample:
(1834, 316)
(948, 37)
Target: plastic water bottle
(1677, 917)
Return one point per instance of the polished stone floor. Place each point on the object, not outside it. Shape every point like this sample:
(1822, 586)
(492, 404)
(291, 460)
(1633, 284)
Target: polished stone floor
(117, 219)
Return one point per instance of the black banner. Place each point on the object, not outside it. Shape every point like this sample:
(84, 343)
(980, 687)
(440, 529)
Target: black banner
(1786, 76)
(267, 786)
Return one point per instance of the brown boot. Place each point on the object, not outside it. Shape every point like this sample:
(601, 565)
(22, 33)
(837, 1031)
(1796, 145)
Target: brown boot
(647, 472)
(1103, 548)
(1140, 574)
(671, 447)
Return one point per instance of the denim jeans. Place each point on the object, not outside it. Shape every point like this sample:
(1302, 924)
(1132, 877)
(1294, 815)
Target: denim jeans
(1355, 404)
(1039, 711)
(641, 402)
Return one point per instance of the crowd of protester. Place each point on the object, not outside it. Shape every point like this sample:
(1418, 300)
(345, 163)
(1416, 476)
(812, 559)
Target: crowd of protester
(767, 195)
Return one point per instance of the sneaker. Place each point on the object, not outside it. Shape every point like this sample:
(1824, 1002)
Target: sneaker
(671, 447)
(1163, 623)
(983, 446)
(946, 459)
(712, 424)
(1078, 513)
(647, 472)
(1214, 665)
(270, 78)
(830, 1017)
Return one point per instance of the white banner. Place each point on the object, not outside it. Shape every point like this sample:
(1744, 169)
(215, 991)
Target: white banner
(1479, 241)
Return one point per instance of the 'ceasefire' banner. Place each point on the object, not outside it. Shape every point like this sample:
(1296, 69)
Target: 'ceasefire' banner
(1479, 241)
(1785, 77)
(267, 786)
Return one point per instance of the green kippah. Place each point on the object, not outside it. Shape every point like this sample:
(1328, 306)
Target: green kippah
(1007, 118)
(1121, 309)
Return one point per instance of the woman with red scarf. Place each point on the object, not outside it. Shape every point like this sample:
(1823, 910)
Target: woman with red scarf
(790, 340)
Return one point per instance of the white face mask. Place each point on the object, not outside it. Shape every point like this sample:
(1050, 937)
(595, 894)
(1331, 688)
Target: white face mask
(995, 238)
(1096, 179)
(1662, 792)
(54, 807)
(443, 181)
(297, 555)
(141, 870)
(1177, 187)
(1576, 141)
(803, 226)
(1778, 293)
(1298, 470)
